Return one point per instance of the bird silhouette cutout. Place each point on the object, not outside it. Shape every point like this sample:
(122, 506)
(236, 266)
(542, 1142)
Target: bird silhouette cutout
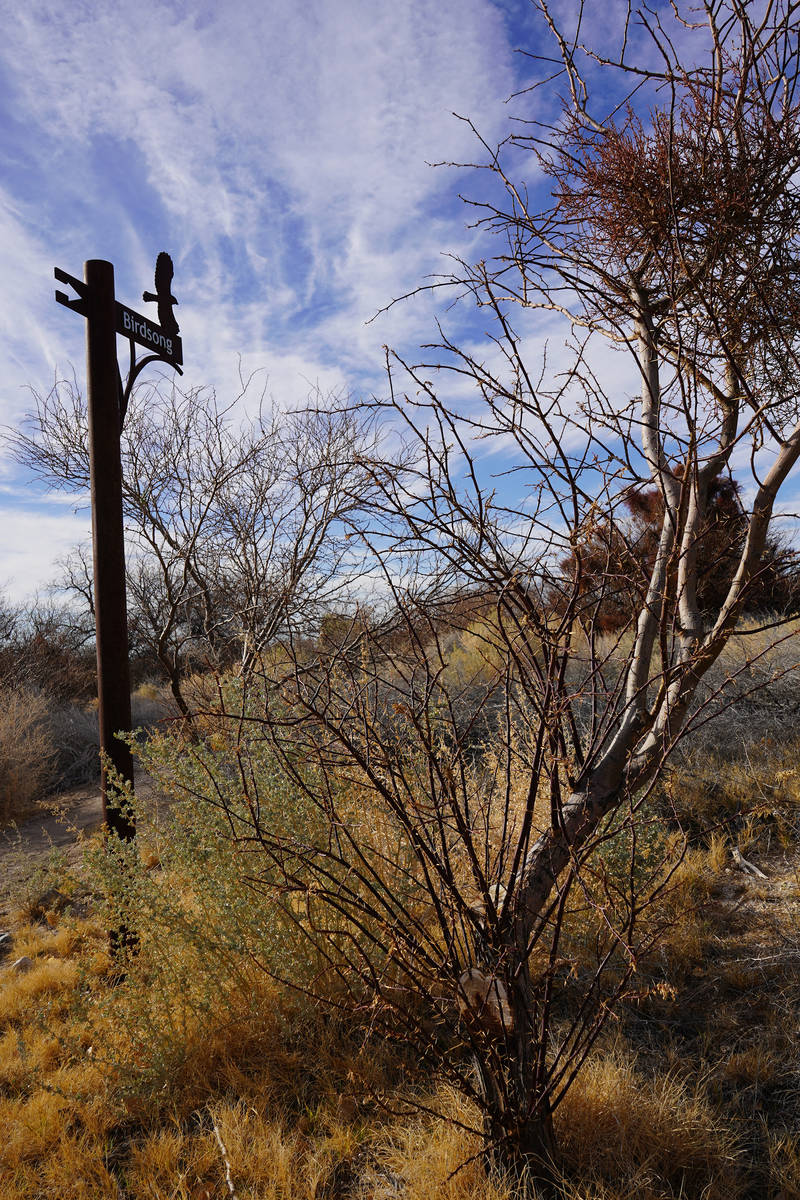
(163, 294)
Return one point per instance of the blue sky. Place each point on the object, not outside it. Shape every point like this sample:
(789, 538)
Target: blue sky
(278, 151)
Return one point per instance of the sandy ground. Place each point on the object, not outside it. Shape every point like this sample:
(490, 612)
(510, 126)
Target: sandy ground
(62, 822)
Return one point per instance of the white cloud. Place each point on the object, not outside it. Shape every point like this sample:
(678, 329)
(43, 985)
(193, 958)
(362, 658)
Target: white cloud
(32, 540)
(278, 151)
(285, 146)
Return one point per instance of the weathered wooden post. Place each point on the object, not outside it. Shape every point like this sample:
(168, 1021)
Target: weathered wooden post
(107, 402)
(108, 538)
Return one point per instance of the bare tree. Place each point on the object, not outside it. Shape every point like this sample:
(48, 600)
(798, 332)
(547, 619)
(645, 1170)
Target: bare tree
(466, 824)
(235, 525)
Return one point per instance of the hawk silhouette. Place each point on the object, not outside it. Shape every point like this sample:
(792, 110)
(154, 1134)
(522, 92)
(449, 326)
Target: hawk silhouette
(163, 294)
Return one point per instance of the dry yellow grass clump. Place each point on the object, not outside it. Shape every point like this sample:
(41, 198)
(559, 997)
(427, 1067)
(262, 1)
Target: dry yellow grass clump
(658, 1134)
(26, 750)
(197, 1074)
(271, 1096)
(277, 1100)
(260, 1093)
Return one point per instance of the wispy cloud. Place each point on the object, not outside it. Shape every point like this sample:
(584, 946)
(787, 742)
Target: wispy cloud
(29, 535)
(278, 151)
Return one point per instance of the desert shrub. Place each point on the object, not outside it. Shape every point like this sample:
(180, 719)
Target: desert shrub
(47, 650)
(215, 924)
(474, 655)
(75, 736)
(230, 900)
(151, 703)
(27, 750)
(199, 1025)
(618, 555)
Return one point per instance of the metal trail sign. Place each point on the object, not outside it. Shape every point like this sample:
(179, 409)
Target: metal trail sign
(149, 335)
(107, 401)
(162, 339)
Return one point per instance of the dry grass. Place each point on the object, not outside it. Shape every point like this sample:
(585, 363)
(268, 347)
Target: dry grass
(735, 799)
(645, 1135)
(137, 1086)
(777, 649)
(284, 1091)
(289, 1105)
(48, 745)
(27, 751)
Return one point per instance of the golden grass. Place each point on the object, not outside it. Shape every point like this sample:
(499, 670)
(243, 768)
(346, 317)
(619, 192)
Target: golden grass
(654, 1134)
(427, 1158)
(714, 797)
(68, 1111)
(784, 1164)
(778, 648)
(136, 1086)
(51, 978)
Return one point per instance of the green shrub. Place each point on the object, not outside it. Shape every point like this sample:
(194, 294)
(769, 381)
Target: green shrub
(215, 925)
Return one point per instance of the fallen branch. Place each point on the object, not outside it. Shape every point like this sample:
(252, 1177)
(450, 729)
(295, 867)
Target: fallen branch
(743, 865)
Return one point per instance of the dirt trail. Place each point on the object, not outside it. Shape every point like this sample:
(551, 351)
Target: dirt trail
(63, 822)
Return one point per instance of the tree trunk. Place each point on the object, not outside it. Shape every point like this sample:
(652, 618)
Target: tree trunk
(532, 1160)
(518, 1123)
(523, 1147)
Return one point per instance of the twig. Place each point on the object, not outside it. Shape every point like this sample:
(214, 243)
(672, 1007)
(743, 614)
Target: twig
(224, 1153)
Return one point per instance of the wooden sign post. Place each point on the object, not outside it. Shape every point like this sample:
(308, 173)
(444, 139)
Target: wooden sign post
(107, 401)
(108, 538)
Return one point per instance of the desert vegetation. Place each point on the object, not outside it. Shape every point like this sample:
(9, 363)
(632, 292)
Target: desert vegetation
(234, 1049)
(48, 718)
(476, 870)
